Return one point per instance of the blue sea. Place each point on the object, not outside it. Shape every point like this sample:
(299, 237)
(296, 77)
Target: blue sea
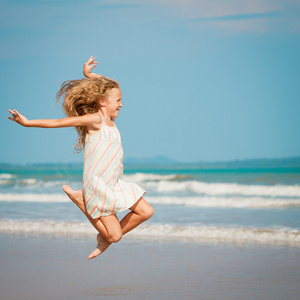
(244, 206)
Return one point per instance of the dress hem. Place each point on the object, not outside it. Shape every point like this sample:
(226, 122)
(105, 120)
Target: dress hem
(119, 211)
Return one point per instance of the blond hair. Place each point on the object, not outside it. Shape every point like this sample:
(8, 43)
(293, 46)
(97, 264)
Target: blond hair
(81, 97)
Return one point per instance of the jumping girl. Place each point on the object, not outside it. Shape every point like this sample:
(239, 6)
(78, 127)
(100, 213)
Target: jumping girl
(92, 104)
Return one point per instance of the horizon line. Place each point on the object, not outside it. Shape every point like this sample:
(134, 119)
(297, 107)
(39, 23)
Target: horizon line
(165, 157)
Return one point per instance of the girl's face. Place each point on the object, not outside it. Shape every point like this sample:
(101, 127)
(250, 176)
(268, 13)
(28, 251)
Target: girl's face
(113, 102)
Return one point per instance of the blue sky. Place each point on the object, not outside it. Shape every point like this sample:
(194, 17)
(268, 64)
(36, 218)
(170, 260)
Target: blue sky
(201, 80)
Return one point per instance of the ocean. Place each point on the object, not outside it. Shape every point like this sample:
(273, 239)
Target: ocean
(240, 206)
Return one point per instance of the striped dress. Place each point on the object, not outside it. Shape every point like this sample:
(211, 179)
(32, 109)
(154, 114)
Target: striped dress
(105, 191)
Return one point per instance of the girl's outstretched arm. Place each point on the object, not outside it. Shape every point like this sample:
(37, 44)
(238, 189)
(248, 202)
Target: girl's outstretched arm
(86, 120)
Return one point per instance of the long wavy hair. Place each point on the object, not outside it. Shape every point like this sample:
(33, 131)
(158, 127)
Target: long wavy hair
(81, 97)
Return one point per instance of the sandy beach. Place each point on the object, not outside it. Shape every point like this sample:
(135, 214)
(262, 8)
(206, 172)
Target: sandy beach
(51, 267)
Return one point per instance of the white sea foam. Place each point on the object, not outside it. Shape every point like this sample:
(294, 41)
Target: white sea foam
(220, 234)
(7, 176)
(53, 198)
(8, 179)
(276, 236)
(50, 227)
(28, 181)
(206, 201)
(170, 184)
(222, 202)
(198, 187)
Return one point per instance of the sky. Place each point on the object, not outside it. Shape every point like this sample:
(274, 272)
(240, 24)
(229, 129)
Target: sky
(201, 80)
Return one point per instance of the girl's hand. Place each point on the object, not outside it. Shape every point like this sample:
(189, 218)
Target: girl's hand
(88, 66)
(18, 118)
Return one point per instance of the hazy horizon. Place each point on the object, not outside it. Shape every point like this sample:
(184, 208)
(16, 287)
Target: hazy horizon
(165, 161)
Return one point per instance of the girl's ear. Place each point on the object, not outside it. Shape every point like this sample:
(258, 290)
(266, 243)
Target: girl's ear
(102, 102)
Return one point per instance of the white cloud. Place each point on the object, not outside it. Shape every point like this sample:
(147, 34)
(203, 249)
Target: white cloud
(236, 15)
(207, 8)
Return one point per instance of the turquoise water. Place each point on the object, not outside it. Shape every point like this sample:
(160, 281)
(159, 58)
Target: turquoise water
(240, 205)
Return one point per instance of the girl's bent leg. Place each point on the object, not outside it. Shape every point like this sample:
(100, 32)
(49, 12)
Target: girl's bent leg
(105, 237)
(108, 226)
(141, 211)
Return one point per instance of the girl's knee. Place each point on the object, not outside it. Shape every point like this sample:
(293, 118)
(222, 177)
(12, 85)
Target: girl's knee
(115, 237)
(147, 212)
(112, 227)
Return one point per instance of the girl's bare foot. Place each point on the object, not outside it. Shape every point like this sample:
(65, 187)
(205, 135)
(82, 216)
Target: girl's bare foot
(75, 196)
(103, 244)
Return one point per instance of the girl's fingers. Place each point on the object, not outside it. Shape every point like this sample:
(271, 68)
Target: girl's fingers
(16, 116)
(12, 113)
(88, 61)
(91, 59)
(16, 112)
(91, 62)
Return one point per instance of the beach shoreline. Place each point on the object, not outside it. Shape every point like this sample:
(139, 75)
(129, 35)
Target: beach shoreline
(50, 267)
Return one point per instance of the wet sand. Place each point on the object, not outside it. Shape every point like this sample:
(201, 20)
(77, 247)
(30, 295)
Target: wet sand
(50, 267)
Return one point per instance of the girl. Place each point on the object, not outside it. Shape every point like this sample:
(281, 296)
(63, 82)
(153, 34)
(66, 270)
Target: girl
(92, 104)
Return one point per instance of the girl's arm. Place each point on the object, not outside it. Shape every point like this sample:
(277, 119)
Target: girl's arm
(90, 119)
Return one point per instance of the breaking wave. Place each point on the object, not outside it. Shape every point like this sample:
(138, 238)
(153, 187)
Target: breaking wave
(222, 202)
(18, 197)
(7, 176)
(198, 187)
(205, 201)
(244, 235)
(164, 184)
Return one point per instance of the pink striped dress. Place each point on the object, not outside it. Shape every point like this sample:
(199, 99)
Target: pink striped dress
(105, 191)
